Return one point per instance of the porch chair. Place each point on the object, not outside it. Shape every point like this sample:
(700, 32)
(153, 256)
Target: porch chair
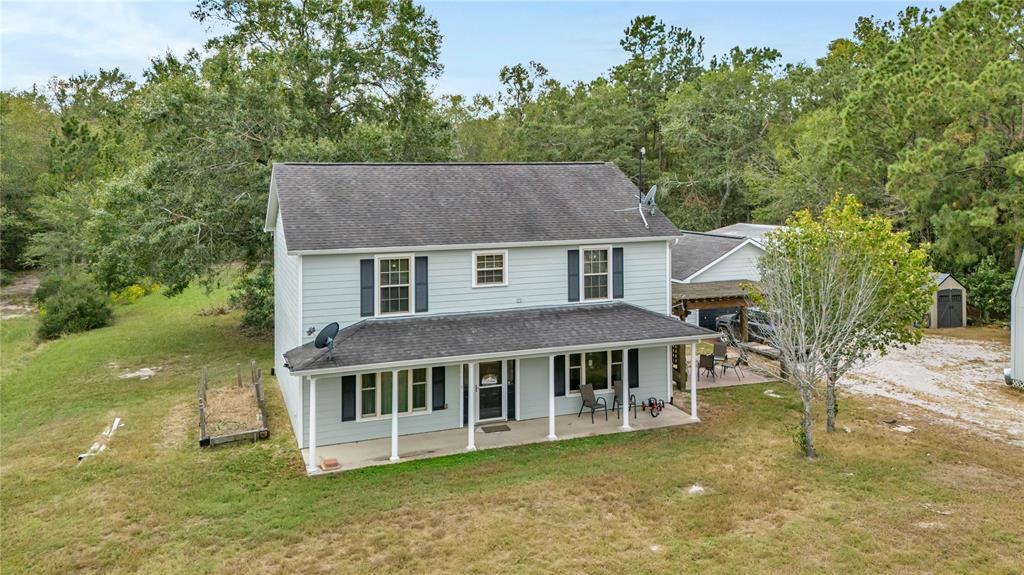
(706, 364)
(618, 403)
(721, 351)
(592, 402)
(733, 364)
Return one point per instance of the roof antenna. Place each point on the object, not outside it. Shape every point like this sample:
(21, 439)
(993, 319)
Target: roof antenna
(644, 199)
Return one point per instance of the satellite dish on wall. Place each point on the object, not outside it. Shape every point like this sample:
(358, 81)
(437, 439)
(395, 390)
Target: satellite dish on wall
(326, 337)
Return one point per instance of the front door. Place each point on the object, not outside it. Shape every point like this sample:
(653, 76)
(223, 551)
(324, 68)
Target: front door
(491, 390)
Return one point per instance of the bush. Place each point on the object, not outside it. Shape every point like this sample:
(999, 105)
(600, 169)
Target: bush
(132, 293)
(73, 302)
(254, 294)
(988, 289)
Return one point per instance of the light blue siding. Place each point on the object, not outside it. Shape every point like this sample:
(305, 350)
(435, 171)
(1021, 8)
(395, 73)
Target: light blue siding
(287, 324)
(331, 429)
(533, 401)
(739, 265)
(536, 277)
(535, 385)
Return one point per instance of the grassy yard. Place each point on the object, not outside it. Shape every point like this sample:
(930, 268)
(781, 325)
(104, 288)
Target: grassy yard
(936, 500)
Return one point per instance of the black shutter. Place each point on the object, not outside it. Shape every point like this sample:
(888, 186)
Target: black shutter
(617, 288)
(465, 394)
(437, 381)
(560, 375)
(421, 283)
(366, 287)
(511, 393)
(574, 275)
(348, 398)
(634, 367)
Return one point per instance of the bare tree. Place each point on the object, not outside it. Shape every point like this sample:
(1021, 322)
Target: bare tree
(838, 290)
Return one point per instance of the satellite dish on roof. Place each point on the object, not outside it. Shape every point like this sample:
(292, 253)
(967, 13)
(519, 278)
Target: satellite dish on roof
(326, 337)
(648, 200)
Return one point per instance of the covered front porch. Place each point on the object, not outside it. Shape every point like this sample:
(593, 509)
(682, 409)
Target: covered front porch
(491, 435)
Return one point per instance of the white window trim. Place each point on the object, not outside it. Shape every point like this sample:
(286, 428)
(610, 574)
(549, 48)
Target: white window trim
(611, 274)
(377, 285)
(504, 269)
(387, 416)
(583, 372)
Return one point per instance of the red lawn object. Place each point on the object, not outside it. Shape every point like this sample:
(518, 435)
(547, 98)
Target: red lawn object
(655, 405)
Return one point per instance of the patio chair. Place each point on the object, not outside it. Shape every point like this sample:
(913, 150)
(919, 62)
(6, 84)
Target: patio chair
(721, 351)
(733, 364)
(706, 364)
(618, 403)
(592, 402)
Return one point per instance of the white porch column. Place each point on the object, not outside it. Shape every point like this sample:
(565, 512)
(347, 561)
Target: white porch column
(551, 398)
(625, 391)
(471, 409)
(394, 415)
(311, 467)
(693, 380)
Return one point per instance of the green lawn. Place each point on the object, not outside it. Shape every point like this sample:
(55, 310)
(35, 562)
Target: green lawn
(937, 500)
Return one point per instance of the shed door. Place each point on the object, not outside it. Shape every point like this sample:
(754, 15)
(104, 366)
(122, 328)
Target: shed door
(950, 308)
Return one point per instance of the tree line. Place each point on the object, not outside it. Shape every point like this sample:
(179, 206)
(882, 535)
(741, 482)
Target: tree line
(164, 179)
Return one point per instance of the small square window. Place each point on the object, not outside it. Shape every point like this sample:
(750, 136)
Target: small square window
(489, 269)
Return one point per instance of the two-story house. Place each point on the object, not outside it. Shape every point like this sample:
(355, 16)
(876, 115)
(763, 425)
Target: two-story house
(465, 293)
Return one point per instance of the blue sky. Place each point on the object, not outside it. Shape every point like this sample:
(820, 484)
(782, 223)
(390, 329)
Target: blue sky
(575, 40)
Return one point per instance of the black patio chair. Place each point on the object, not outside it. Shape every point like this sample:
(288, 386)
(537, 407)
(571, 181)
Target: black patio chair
(733, 364)
(706, 363)
(618, 403)
(592, 402)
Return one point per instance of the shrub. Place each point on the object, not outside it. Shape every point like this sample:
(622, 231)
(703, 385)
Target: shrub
(73, 302)
(254, 293)
(988, 289)
(132, 293)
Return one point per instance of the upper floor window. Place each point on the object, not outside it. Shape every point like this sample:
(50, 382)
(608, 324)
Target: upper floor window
(489, 268)
(395, 284)
(596, 273)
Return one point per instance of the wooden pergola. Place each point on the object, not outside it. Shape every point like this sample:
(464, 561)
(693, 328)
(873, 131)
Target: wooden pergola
(706, 295)
(692, 297)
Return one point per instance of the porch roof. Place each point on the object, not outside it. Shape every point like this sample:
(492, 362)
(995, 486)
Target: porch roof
(423, 339)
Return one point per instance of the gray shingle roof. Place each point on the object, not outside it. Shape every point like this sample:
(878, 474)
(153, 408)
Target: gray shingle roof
(745, 230)
(435, 337)
(352, 206)
(694, 251)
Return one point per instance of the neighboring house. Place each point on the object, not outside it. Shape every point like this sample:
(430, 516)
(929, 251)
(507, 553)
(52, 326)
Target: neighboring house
(949, 305)
(710, 271)
(464, 293)
(1017, 325)
(756, 232)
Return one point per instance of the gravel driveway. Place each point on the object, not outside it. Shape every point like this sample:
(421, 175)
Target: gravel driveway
(960, 379)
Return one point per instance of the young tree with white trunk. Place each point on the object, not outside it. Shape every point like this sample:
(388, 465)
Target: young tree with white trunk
(839, 289)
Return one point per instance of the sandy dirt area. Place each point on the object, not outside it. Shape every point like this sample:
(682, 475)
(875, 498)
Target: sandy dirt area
(958, 378)
(16, 299)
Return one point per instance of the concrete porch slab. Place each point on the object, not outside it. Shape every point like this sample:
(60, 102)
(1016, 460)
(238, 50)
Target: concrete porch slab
(451, 441)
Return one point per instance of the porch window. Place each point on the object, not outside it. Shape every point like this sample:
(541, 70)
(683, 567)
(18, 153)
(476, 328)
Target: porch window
(597, 370)
(575, 372)
(489, 268)
(601, 369)
(394, 285)
(376, 397)
(617, 365)
(368, 395)
(596, 273)
(419, 388)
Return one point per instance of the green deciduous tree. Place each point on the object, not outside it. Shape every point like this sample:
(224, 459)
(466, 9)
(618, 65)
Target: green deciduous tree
(839, 288)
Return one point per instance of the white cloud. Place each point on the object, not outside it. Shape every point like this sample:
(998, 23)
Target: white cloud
(45, 39)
